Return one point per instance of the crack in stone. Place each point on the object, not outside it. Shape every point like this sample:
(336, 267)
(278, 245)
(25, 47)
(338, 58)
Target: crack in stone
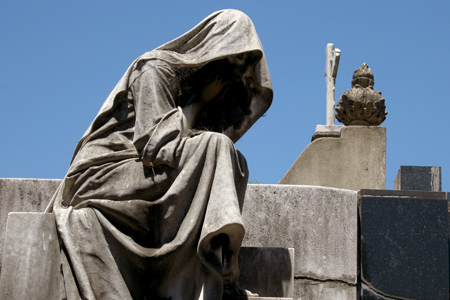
(325, 280)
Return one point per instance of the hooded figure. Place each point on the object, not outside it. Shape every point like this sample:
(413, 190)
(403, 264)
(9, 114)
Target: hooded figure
(151, 205)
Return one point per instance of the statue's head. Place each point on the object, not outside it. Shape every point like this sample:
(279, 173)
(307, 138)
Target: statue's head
(227, 86)
(222, 60)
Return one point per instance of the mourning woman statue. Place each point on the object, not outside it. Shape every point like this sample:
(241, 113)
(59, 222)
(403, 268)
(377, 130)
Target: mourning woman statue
(151, 205)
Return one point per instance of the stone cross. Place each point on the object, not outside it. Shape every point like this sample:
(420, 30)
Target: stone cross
(332, 64)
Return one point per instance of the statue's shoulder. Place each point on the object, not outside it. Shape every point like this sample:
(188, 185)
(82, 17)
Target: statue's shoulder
(141, 66)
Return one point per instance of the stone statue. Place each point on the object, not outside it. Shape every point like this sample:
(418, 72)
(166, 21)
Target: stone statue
(151, 205)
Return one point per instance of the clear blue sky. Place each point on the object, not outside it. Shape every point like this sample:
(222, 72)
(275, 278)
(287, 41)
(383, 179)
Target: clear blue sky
(60, 59)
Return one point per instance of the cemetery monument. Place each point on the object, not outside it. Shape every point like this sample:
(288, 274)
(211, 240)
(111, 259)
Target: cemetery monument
(153, 207)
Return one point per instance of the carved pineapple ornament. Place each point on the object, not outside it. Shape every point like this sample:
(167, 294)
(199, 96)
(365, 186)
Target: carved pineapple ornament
(362, 105)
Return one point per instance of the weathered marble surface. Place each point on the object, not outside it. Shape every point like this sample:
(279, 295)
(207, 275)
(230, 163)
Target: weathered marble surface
(324, 290)
(31, 259)
(319, 223)
(23, 195)
(354, 160)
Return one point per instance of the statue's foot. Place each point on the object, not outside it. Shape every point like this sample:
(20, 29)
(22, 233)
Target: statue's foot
(233, 289)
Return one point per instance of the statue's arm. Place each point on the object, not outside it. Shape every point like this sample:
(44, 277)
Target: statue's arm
(153, 93)
(158, 120)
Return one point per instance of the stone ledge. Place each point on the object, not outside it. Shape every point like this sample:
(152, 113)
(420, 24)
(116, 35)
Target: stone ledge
(327, 131)
(404, 194)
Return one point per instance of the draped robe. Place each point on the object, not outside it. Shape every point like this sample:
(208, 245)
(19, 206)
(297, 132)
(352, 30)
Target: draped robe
(144, 199)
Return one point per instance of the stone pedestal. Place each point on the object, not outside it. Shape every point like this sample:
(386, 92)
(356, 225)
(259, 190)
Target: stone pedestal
(355, 160)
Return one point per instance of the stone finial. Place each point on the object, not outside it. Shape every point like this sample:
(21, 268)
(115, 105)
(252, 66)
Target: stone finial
(362, 105)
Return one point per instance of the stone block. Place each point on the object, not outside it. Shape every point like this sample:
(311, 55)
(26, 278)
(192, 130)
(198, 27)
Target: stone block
(354, 160)
(31, 264)
(267, 271)
(327, 131)
(404, 245)
(320, 223)
(414, 178)
(23, 195)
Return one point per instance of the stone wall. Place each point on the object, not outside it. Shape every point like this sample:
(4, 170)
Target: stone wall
(319, 223)
(300, 217)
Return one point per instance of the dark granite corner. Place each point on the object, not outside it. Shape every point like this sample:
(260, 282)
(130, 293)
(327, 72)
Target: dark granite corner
(404, 245)
(418, 178)
(368, 293)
